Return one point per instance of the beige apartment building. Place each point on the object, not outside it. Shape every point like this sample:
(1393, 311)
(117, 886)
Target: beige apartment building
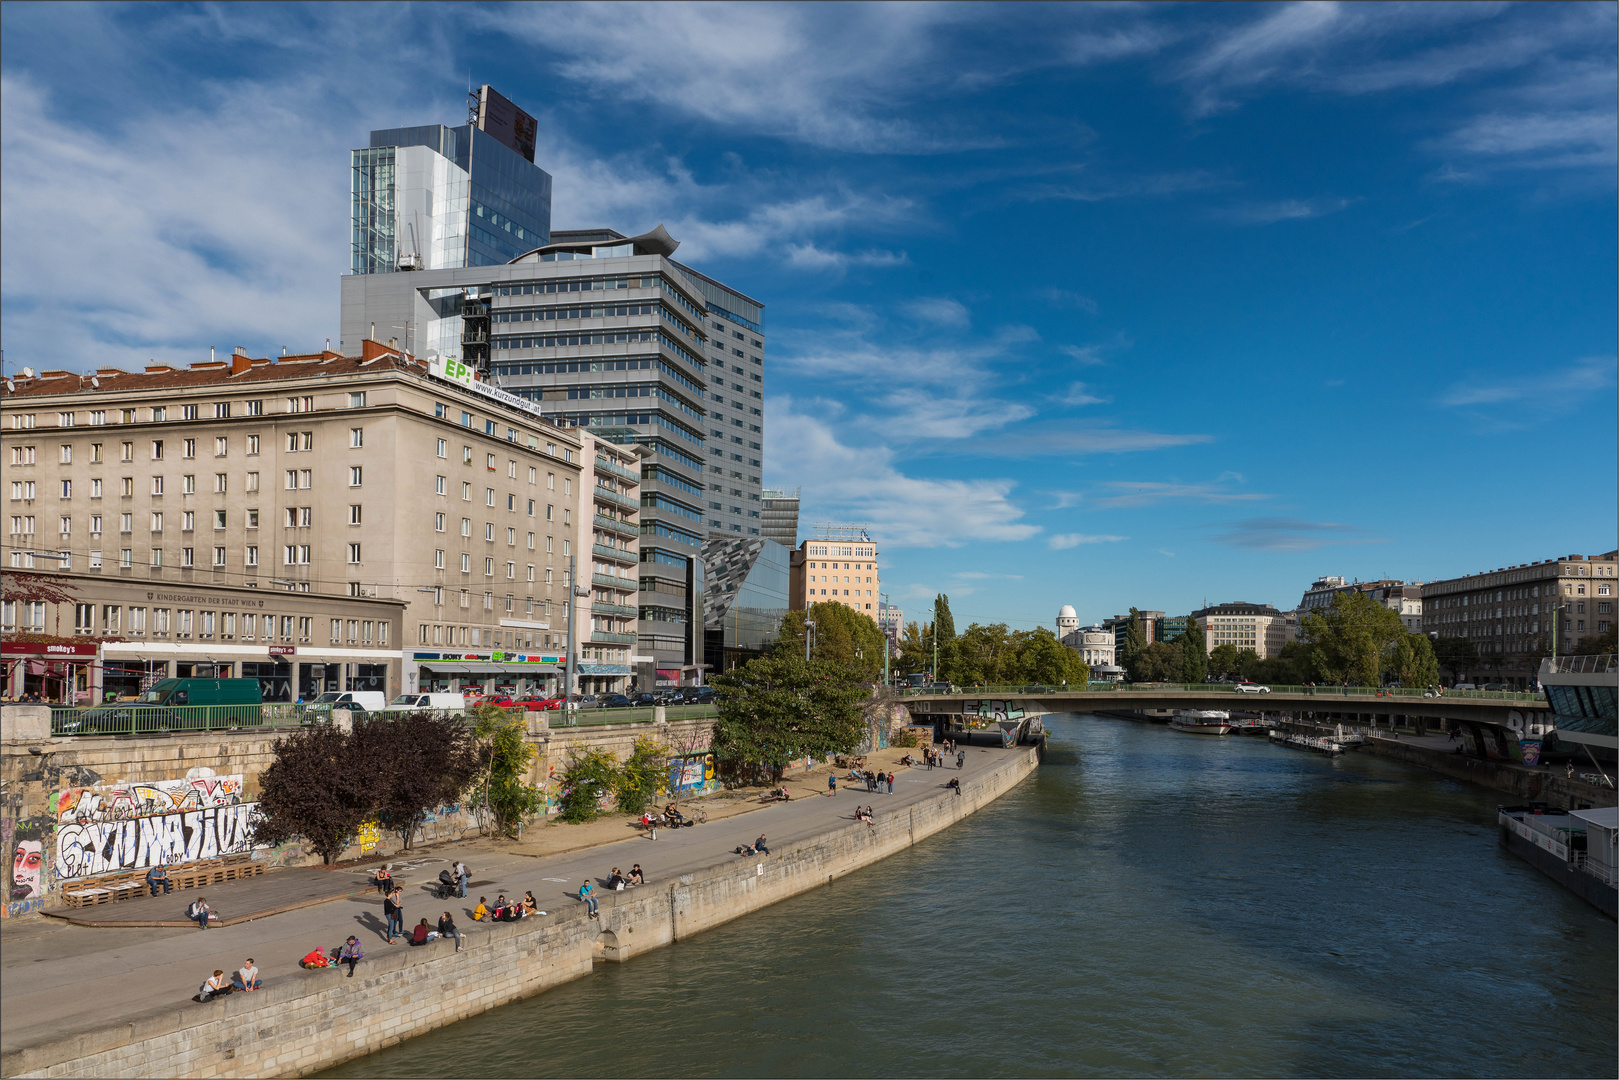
(1511, 613)
(346, 491)
(608, 608)
(840, 566)
(1259, 627)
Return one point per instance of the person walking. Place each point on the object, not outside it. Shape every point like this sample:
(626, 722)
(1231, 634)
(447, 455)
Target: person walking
(464, 876)
(350, 954)
(961, 758)
(395, 913)
(831, 783)
(891, 783)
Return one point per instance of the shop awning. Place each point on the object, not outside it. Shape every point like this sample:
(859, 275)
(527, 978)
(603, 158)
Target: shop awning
(490, 668)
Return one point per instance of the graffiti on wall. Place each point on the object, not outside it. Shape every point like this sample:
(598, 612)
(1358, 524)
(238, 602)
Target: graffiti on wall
(27, 864)
(114, 827)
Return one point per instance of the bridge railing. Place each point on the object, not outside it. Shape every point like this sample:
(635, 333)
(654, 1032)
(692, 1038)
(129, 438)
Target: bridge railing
(1371, 692)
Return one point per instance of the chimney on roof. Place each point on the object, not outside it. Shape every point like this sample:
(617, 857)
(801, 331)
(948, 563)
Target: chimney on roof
(239, 361)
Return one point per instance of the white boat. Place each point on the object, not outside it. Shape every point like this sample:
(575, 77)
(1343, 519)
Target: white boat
(1201, 721)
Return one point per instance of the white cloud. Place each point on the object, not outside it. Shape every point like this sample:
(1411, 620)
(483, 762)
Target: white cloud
(1063, 541)
(850, 483)
(1268, 213)
(921, 415)
(938, 311)
(1290, 534)
(1537, 397)
(1138, 493)
(1078, 395)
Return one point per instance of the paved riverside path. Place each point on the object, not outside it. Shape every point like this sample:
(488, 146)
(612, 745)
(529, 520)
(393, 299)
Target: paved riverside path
(58, 979)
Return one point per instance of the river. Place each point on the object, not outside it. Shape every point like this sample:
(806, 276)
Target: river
(1150, 903)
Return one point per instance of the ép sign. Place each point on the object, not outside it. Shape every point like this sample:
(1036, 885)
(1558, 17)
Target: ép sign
(456, 371)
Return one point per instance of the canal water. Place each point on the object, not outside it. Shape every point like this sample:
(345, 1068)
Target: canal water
(1150, 903)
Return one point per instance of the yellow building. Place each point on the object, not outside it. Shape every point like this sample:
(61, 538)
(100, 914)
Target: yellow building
(839, 565)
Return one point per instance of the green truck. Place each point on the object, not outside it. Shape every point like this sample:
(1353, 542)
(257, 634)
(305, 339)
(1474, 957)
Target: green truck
(173, 705)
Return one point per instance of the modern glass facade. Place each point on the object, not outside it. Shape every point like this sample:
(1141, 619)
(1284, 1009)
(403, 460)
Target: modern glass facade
(746, 599)
(372, 211)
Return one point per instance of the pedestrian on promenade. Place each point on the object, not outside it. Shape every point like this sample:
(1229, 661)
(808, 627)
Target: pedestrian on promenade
(464, 876)
(955, 783)
(447, 928)
(759, 846)
(246, 977)
(214, 986)
(831, 783)
(588, 895)
(200, 911)
(395, 914)
(961, 758)
(159, 875)
(891, 783)
(350, 954)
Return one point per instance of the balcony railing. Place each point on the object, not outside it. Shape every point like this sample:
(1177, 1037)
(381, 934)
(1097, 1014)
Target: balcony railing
(602, 607)
(617, 527)
(613, 498)
(611, 636)
(612, 582)
(1580, 665)
(605, 466)
(614, 554)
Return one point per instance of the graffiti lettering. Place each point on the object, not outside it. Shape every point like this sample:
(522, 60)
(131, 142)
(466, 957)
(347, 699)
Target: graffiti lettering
(111, 846)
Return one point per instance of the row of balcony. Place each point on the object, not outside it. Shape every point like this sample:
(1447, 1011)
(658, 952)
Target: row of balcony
(610, 636)
(617, 527)
(602, 607)
(609, 582)
(608, 467)
(614, 554)
(613, 498)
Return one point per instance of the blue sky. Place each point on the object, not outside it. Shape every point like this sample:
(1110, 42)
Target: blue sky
(1102, 305)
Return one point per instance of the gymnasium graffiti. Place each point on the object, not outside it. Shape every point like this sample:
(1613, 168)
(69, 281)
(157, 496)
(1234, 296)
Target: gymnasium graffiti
(114, 827)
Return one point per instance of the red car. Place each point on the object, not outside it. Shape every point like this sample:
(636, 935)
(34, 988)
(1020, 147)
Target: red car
(502, 700)
(535, 704)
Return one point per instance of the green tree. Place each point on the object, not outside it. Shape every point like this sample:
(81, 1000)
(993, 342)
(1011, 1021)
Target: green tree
(1413, 662)
(1247, 663)
(1353, 640)
(1605, 642)
(944, 629)
(843, 637)
(1042, 659)
(915, 648)
(1194, 657)
(984, 656)
(1223, 660)
(1290, 667)
(1159, 662)
(1456, 655)
(644, 775)
(591, 772)
(778, 707)
(507, 755)
(1132, 646)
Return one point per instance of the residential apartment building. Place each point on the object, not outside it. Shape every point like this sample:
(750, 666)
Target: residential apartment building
(1259, 627)
(1512, 613)
(840, 565)
(1404, 597)
(611, 533)
(779, 517)
(365, 502)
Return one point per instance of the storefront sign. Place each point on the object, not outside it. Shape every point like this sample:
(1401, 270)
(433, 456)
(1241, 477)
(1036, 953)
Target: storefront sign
(283, 650)
(38, 648)
(492, 657)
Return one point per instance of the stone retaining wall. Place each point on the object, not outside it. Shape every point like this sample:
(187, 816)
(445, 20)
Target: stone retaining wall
(311, 1020)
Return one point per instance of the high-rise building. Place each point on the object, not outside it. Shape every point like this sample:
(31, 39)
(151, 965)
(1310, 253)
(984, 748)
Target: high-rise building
(780, 516)
(435, 197)
(746, 598)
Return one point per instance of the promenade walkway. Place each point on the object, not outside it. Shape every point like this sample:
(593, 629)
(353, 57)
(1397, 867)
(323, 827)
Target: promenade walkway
(58, 978)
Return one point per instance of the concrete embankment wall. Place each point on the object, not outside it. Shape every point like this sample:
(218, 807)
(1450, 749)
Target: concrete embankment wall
(308, 1021)
(1523, 784)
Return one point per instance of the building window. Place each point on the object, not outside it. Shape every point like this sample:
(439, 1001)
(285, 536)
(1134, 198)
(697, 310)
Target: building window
(188, 448)
(219, 483)
(354, 514)
(355, 475)
(354, 553)
(356, 435)
(252, 555)
(221, 446)
(357, 400)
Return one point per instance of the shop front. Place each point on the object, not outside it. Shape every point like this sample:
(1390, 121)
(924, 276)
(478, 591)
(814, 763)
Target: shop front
(602, 678)
(516, 673)
(59, 673)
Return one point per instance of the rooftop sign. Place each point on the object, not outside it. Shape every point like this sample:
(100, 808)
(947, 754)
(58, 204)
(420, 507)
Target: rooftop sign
(454, 371)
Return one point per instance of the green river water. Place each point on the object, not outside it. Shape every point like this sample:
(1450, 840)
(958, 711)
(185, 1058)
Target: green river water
(1150, 903)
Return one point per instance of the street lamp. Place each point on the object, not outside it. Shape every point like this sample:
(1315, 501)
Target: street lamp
(809, 635)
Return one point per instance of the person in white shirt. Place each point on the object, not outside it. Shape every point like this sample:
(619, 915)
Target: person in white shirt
(215, 986)
(246, 977)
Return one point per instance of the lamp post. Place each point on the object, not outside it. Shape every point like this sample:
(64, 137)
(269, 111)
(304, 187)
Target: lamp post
(809, 635)
(883, 599)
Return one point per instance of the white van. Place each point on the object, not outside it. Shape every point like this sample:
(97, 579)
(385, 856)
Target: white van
(448, 702)
(369, 700)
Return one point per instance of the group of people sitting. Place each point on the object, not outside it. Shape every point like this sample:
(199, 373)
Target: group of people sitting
(864, 813)
(244, 978)
(755, 848)
(506, 910)
(619, 882)
(348, 953)
(780, 794)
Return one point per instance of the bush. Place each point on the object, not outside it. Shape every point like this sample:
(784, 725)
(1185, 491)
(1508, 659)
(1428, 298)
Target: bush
(643, 776)
(590, 774)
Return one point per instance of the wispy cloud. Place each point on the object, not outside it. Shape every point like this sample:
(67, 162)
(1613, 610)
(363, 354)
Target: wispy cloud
(1067, 298)
(1138, 493)
(1269, 213)
(1518, 402)
(1063, 541)
(938, 311)
(1290, 534)
(1078, 395)
(1064, 440)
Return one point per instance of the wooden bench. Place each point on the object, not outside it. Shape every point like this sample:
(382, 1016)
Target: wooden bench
(111, 888)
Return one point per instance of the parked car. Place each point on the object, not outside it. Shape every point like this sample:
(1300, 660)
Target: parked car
(444, 702)
(644, 699)
(613, 701)
(537, 704)
(705, 695)
(1246, 687)
(353, 700)
(502, 700)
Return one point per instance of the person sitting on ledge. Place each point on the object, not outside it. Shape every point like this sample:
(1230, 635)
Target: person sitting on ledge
(531, 906)
(481, 912)
(615, 880)
(350, 954)
(159, 875)
(385, 878)
(316, 958)
(199, 910)
(246, 977)
(214, 986)
(447, 928)
(636, 877)
(422, 934)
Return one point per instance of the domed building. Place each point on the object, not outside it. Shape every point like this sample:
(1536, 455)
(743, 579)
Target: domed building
(1067, 621)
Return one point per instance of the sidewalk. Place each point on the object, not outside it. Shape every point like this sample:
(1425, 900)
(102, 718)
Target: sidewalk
(56, 979)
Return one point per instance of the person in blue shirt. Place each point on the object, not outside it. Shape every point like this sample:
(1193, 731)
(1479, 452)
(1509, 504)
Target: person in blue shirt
(159, 875)
(588, 894)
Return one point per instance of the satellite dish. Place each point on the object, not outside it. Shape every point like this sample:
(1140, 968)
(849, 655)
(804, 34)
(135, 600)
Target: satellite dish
(11, 387)
(95, 382)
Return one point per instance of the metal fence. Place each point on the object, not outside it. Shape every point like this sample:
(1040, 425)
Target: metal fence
(1414, 694)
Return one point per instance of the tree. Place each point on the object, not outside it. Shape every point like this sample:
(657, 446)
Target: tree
(777, 707)
(1158, 662)
(915, 648)
(843, 636)
(1042, 659)
(318, 787)
(1247, 663)
(590, 773)
(507, 756)
(984, 655)
(1131, 648)
(1456, 655)
(1194, 655)
(1413, 662)
(944, 630)
(1605, 642)
(1353, 640)
(1223, 660)
(422, 760)
(643, 775)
